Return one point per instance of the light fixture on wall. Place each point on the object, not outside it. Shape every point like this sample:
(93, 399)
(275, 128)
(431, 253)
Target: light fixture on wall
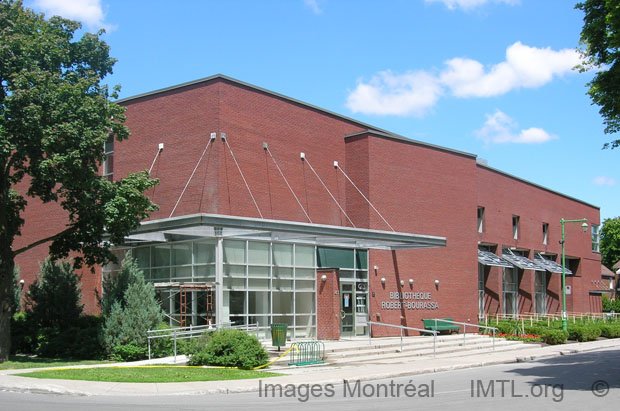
(402, 282)
(376, 267)
(323, 278)
(436, 282)
(382, 280)
(411, 281)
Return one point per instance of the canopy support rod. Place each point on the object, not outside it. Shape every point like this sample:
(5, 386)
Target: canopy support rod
(266, 147)
(243, 177)
(359, 191)
(190, 177)
(303, 157)
(159, 150)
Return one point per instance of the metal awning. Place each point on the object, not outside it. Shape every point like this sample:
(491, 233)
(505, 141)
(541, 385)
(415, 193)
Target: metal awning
(551, 265)
(523, 262)
(223, 226)
(488, 258)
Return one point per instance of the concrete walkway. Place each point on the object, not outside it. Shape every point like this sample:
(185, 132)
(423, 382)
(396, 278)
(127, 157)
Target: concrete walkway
(330, 373)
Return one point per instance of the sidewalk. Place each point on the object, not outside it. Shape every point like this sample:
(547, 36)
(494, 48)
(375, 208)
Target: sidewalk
(333, 374)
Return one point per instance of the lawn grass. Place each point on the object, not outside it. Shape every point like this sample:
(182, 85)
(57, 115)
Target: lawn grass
(150, 374)
(17, 362)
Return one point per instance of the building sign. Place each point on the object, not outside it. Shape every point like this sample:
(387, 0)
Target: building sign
(410, 301)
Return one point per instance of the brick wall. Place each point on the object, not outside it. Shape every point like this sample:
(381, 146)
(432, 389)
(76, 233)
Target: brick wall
(328, 304)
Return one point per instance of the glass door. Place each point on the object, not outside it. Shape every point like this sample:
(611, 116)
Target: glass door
(347, 312)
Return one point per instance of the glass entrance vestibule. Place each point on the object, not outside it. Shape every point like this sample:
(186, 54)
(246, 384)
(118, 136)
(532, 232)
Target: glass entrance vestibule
(261, 282)
(240, 271)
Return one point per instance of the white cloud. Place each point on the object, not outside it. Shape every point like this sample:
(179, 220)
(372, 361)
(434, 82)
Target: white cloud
(415, 92)
(470, 4)
(525, 67)
(412, 93)
(314, 6)
(500, 128)
(604, 181)
(89, 12)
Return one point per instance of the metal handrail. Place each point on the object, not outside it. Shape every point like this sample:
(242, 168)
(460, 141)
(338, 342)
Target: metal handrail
(402, 327)
(192, 332)
(465, 327)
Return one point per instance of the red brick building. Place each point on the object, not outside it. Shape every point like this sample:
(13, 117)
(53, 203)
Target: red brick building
(259, 194)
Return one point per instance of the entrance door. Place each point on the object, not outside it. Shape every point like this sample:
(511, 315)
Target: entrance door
(347, 312)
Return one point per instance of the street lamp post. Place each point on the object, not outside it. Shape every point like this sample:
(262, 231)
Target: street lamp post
(584, 227)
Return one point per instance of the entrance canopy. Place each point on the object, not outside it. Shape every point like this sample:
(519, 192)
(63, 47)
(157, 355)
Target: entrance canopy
(224, 226)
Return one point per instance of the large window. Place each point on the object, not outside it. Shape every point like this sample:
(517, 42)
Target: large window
(540, 290)
(108, 162)
(545, 233)
(510, 288)
(480, 219)
(481, 291)
(515, 226)
(596, 238)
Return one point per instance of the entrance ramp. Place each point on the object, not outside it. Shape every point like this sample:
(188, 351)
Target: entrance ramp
(387, 350)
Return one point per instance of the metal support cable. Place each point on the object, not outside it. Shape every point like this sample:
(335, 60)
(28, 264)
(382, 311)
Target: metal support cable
(242, 176)
(155, 159)
(190, 178)
(365, 198)
(287, 184)
(330, 193)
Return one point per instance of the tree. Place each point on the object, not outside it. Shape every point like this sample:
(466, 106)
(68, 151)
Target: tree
(55, 116)
(53, 299)
(610, 242)
(129, 323)
(114, 287)
(600, 47)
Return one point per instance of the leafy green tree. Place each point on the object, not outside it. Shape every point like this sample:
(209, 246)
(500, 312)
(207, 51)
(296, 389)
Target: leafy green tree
(55, 116)
(610, 242)
(600, 46)
(128, 324)
(53, 299)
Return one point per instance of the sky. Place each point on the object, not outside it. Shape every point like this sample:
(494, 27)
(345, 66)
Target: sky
(494, 78)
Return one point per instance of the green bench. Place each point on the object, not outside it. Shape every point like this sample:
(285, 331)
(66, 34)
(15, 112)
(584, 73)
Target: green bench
(443, 324)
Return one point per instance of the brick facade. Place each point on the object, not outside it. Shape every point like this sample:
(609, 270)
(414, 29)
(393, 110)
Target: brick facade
(328, 304)
(417, 187)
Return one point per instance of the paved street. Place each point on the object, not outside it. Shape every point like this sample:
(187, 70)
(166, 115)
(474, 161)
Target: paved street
(564, 382)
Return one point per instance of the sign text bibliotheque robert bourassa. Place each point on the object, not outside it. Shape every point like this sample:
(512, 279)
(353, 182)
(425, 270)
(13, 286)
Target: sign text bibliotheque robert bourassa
(414, 300)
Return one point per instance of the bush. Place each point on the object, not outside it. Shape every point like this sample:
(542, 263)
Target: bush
(23, 334)
(164, 347)
(229, 348)
(129, 352)
(610, 330)
(115, 286)
(553, 337)
(584, 332)
(83, 341)
(611, 305)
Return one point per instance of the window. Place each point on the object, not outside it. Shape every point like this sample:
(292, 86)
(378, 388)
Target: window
(540, 288)
(545, 233)
(515, 227)
(480, 219)
(108, 161)
(510, 291)
(596, 238)
(481, 278)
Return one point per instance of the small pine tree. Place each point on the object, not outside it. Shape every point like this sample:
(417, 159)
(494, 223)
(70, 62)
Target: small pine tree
(115, 286)
(54, 298)
(129, 324)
